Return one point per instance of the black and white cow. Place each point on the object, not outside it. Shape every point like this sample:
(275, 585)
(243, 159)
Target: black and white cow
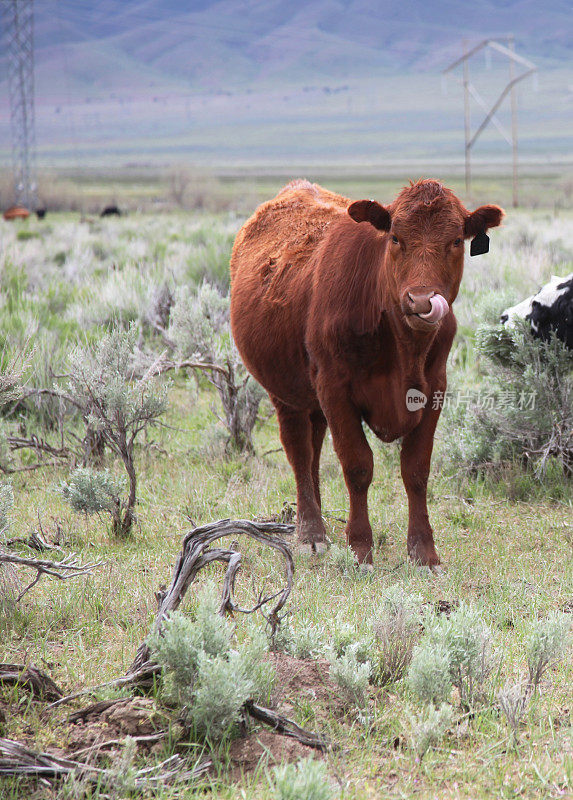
(551, 309)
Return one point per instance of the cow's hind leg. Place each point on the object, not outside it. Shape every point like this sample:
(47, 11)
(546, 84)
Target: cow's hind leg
(319, 426)
(299, 438)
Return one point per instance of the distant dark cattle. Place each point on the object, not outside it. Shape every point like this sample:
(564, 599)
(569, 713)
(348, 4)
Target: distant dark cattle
(16, 212)
(343, 312)
(551, 309)
(111, 211)
(41, 213)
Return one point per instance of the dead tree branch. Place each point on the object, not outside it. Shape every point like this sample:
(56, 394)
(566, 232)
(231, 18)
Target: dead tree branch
(142, 678)
(34, 542)
(196, 554)
(31, 678)
(163, 364)
(151, 739)
(17, 759)
(286, 726)
(68, 567)
(34, 442)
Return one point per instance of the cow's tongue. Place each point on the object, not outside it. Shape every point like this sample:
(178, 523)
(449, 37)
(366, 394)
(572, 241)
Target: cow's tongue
(439, 309)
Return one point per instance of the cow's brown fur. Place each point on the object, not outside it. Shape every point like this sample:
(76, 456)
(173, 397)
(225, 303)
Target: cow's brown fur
(16, 212)
(325, 297)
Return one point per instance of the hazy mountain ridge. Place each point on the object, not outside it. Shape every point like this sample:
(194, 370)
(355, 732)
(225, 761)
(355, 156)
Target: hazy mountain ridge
(223, 43)
(244, 81)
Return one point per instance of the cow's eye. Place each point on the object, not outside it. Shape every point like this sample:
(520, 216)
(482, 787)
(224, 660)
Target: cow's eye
(395, 239)
(457, 242)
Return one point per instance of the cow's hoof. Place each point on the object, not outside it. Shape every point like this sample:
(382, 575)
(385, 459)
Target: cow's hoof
(423, 553)
(368, 569)
(438, 570)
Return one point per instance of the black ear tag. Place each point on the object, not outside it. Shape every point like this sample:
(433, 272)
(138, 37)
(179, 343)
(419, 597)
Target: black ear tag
(480, 244)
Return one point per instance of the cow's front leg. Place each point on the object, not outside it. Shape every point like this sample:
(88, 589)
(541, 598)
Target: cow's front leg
(298, 440)
(355, 456)
(415, 463)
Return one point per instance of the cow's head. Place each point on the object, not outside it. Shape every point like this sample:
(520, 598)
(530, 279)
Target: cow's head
(425, 228)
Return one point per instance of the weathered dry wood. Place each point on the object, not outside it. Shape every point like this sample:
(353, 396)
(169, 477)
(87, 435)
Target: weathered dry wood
(142, 678)
(151, 739)
(34, 542)
(34, 442)
(196, 554)
(17, 759)
(68, 567)
(93, 709)
(30, 678)
(286, 726)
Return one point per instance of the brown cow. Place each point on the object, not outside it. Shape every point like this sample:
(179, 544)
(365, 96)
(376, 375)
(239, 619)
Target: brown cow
(16, 212)
(342, 312)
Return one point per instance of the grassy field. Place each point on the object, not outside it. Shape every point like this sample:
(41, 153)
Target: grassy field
(63, 279)
(155, 188)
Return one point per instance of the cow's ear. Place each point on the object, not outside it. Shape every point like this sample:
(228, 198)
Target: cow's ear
(372, 212)
(481, 219)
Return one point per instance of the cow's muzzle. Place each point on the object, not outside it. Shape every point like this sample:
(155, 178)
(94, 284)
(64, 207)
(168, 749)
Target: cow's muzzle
(428, 306)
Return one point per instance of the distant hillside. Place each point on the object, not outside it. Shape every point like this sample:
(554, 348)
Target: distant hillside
(214, 45)
(270, 81)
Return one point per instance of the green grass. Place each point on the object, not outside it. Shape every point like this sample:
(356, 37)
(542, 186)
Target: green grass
(180, 185)
(511, 557)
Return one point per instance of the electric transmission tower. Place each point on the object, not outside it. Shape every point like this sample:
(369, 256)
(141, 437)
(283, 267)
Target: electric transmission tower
(18, 19)
(470, 90)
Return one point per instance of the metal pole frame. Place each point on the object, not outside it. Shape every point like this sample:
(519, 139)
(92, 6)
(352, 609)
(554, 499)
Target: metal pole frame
(18, 18)
(469, 89)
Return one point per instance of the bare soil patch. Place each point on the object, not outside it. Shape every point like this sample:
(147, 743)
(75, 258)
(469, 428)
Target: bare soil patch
(296, 680)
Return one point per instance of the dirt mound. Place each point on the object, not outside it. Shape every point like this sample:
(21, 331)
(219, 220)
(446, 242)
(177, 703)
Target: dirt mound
(111, 720)
(246, 753)
(298, 681)
(104, 725)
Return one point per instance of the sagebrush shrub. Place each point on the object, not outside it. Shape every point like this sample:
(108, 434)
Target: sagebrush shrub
(396, 630)
(429, 672)
(513, 701)
(199, 321)
(467, 640)
(200, 330)
(6, 506)
(257, 666)
(525, 412)
(181, 640)
(204, 674)
(345, 636)
(306, 780)
(351, 674)
(428, 726)
(8, 577)
(221, 690)
(90, 491)
(306, 641)
(395, 600)
(301, 641)
(343, 558)
(115, 404)
(546, 642)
